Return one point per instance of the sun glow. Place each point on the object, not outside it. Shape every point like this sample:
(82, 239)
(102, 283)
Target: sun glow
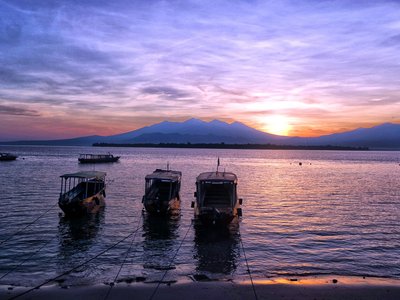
(279, 125)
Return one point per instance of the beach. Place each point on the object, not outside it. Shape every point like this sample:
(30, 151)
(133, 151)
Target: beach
(318, 288)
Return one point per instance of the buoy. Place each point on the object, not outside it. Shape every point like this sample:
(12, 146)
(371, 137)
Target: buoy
(300, 163)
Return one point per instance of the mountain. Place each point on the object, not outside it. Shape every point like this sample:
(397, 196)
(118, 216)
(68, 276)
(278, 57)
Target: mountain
(385, 136)
(195, 131)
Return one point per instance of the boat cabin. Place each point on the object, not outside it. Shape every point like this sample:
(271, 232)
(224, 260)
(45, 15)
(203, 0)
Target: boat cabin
(162, 190)
(82, 191)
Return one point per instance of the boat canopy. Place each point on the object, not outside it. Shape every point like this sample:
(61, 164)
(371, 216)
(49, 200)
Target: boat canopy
(85, 174)
(217, 176)
(165, 175)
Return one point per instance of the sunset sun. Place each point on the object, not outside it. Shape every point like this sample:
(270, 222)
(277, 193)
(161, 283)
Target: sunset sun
(278, 125)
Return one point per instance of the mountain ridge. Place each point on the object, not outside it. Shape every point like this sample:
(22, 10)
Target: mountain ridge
(383, 136)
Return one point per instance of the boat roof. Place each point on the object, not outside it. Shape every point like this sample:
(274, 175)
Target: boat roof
(85, 174)
(217, 176)
(165, 175)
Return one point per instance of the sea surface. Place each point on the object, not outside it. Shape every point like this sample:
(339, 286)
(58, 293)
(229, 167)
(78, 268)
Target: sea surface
(336, 213)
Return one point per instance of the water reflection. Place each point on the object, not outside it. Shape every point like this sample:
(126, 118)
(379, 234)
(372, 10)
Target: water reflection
(160, 240)
(76, 235)
(216, 249)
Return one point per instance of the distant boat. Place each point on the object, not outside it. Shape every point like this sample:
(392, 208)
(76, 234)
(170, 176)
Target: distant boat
(97, 158)
(82, 192)
(7, 156)
(216, 202)
(162, 191)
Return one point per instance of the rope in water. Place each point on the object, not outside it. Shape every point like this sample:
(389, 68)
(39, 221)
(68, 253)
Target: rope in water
(29, 224)
(169, 266)
(76, 267)
(123, 262)
(248, 268)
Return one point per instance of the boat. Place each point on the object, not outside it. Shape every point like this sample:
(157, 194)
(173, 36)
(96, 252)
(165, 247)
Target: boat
(162, 191)
(97, 158)
(7, 156)
(216, 202)
(82, 193)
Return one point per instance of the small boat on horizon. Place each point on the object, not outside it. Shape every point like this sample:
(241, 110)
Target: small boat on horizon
(162, 191)
(82, 193)
(88, 158)
(7, 156)
(216, 202)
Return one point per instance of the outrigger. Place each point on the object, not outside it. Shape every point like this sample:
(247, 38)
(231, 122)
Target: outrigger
(82, 192)
(162, 191)
(216, 202)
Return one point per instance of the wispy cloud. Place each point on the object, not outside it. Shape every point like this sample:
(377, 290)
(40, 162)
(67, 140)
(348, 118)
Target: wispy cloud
(205, 59)
(17, 111)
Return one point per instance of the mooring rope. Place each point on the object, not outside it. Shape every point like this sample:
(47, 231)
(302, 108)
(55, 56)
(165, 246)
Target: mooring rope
(28, 258)
(29, 224)
(172, 260)
(247, 266)
(123, 262)
(74, 268)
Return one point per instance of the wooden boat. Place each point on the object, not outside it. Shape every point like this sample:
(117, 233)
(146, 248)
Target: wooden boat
(97, 158)
(82, 192)
(162, 191)
(216, 198)
(7, 156)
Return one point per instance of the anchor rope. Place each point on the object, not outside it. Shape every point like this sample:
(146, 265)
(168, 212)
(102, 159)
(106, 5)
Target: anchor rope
(123, 262)
(173, 258)
(28, 258)
(28, 225)
(247, 266)
(76, 267)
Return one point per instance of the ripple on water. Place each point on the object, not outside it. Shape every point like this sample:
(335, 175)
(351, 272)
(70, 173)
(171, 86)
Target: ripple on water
(336, 214)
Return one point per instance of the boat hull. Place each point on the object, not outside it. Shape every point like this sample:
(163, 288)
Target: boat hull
(8, 158)
(156, 207)
(210, 216)
(94, 161)
(79, 207)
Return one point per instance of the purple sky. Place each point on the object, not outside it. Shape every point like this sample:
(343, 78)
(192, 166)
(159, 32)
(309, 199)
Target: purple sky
(73, 68)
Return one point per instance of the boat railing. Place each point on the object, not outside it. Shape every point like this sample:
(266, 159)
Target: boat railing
(217, 195)
(75, 192)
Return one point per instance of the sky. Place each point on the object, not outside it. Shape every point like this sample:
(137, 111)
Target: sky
(298, 68)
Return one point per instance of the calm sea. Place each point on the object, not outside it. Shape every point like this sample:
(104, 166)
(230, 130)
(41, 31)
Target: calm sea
(337, 213)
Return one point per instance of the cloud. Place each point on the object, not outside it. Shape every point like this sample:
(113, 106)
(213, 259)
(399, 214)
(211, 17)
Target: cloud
(18, 111)
(202, 58)
(167, 92)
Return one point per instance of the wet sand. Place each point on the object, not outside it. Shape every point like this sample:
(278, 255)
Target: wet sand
(318, 288)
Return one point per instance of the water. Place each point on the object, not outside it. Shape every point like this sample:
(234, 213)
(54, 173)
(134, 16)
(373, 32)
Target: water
(338, 213)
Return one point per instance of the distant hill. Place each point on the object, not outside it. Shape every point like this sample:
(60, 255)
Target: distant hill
(80, 141)
(385, 136)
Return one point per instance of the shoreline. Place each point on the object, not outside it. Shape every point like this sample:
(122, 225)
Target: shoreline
(311, 287)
